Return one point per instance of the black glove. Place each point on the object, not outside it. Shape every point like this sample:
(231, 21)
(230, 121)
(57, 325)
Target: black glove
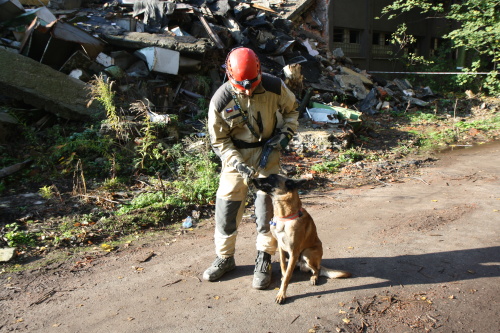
(246, 171)
(280, 141)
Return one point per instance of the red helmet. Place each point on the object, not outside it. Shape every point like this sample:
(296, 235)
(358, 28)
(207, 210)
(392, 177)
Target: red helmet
(243, 68)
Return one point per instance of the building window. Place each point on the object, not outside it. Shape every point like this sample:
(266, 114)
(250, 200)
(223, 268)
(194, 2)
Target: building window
(353, 36)
(348, 40)
(381, 45)
(338, 35)
(381, 38)
(435, 44)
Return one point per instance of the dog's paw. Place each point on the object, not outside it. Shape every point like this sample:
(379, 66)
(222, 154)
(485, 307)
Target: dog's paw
(314, 280)
(280, 298)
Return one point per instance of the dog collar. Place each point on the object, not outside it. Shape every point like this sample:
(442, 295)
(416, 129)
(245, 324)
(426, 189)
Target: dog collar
(290, 217)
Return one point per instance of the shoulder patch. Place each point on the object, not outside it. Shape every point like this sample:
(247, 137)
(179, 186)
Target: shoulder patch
(222, 97)
(271, 83)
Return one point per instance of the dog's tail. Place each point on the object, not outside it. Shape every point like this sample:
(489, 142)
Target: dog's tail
(333, 273)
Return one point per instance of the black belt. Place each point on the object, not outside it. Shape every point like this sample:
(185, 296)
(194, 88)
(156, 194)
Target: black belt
(243, 144)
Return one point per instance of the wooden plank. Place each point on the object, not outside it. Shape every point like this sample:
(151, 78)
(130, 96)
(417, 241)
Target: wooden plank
(209, 30)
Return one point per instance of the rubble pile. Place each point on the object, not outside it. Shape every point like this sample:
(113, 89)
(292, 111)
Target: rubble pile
(160, 50)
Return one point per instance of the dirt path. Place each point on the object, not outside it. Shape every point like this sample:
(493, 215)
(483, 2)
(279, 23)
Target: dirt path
(425, 255)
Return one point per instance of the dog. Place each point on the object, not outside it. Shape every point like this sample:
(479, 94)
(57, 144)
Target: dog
(295, 231)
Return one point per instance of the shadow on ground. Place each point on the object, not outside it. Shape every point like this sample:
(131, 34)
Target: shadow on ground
(429, 268)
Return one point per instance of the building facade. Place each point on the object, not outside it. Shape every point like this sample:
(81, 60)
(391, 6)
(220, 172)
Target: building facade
(353, 26)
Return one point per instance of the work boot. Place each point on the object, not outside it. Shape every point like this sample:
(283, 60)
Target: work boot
(218, 268)
(262, 272)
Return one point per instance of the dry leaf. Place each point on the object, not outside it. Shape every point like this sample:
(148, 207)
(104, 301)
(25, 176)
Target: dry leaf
(216, 297)
(342, 311)
(346, 320)
(451, 297)
(130, 318)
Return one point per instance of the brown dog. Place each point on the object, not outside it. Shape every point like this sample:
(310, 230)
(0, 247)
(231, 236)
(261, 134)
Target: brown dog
(295, 231)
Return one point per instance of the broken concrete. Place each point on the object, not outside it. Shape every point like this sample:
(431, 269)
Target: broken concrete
(107, 40)
(6, 254)
(138, 40)
(45, 88)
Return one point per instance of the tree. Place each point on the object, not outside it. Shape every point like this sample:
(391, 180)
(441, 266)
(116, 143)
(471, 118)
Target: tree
(477, 27)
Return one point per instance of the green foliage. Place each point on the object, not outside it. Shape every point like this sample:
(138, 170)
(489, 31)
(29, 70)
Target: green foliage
(402, 6)
(445, 136)
(326, 167)
(422, 117)
(351, 155)
(16, 237)
(348, 156)
(46, 192)
(439, 63)
(479, 26)
(490, 82)
(401, 39)
(3, 188)
(197, 179)
(150, 151)
(203, 84)
(482, 125)
(87, 145)
(476, 28)
(113, 184)
(193, 178)
(102, 90)
(155, 199)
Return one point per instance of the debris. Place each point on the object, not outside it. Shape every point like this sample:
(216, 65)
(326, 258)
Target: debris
(10, 9)
(368, 104)
(6, 254)
(334, 114)
(160, 60)
(14, 168)
(45, 88)
(188, 223)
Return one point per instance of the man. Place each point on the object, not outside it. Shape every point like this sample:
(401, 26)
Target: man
(243, 123)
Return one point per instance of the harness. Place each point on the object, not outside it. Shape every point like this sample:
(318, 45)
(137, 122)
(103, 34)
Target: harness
(244, 115)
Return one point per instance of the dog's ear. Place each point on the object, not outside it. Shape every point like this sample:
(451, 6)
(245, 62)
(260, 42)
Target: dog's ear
(295, 183)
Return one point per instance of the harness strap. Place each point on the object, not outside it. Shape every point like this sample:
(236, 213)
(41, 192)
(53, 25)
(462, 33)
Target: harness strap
(245, 117)
(240, 144)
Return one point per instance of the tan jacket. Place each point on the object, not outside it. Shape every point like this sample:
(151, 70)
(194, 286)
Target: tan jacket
(226, 123)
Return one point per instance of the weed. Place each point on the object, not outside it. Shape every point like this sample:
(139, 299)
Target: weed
(348, 156)
(351, 155)
(113, 184)
(46, 192)
(15, 237)
(421, 117)
(326, 167)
